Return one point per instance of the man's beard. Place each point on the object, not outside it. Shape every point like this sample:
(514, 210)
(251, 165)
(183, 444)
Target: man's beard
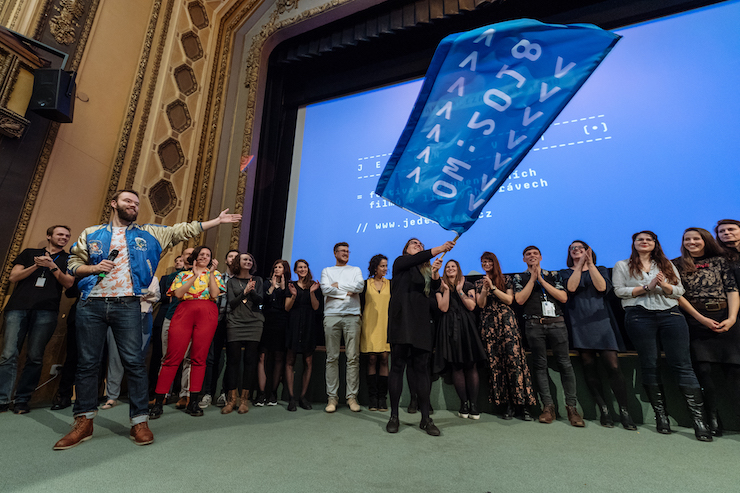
(124, 215)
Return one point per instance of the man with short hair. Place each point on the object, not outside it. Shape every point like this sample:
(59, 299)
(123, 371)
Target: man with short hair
(540, 293)
(31, 313)
(116, 262)
(341, 286)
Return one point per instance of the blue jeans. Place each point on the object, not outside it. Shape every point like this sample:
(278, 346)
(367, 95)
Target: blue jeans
(123, 316)
(651, 329)
(538, 336)
(115, 367)
(36, 325)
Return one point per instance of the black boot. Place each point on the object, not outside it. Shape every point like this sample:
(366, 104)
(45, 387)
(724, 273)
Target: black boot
(695, 403)
(606, 417)
(158, 407)
(715, 424)
(710, 406)
(193, 408)
(508, 411)
(626, 419)
(372, 391)
(655, 395)
(382, 393)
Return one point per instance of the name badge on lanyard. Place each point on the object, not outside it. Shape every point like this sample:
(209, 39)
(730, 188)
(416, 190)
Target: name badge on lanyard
(548, 309)
(40, 281)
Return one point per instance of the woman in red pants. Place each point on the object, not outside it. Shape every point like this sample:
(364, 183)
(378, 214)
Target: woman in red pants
(193, 324)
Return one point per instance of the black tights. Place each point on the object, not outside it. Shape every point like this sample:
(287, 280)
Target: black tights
(616, 379)
(233, 360)
(466, 381)
(732, 374)
(416, 362)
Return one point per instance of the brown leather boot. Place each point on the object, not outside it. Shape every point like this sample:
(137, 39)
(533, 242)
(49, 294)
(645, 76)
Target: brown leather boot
(230, 402)
(243, 402)
(548, 414)
(574, 418)
(141, 434)
(82, 430)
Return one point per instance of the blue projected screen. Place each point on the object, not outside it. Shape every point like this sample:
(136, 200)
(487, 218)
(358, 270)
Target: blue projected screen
(649, 142)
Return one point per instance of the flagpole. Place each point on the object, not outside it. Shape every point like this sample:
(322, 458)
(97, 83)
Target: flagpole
(453, 241)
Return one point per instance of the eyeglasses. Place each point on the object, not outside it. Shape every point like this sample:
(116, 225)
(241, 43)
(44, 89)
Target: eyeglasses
(575, 248)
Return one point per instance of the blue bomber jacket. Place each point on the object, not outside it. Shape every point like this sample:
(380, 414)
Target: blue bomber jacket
(145, 243)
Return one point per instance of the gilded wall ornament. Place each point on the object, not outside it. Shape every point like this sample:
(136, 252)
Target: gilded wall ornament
(62, 25)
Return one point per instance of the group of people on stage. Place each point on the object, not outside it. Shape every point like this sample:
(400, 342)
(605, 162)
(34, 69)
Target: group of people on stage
(429, 319)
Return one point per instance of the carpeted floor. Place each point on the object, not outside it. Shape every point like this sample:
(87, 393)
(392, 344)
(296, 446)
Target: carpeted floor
(272, 450)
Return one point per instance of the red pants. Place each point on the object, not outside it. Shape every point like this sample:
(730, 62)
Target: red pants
(194, 325)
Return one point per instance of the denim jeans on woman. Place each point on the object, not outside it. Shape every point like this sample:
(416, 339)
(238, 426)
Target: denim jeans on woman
(650, 330)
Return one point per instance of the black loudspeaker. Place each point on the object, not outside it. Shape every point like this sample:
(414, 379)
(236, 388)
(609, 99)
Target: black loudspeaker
(53, 94)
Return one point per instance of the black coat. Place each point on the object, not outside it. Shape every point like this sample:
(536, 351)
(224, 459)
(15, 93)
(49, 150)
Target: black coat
(410, 316)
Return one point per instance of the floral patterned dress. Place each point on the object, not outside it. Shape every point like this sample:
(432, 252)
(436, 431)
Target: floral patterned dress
(510, 379)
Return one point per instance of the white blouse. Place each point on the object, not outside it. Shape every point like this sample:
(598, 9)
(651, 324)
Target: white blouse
(656, 299)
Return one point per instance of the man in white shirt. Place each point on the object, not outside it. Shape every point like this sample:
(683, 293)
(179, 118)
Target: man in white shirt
(341, 286)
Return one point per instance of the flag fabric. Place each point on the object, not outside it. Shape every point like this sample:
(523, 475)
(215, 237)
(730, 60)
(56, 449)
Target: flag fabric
(245, 162)
(488, 96)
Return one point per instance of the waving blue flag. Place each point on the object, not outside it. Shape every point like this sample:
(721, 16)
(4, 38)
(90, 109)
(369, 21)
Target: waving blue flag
(488, 96)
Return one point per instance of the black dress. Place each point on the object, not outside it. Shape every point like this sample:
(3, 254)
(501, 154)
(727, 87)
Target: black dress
(410, 318)
(457, 340)
(592, 323)
(303, 322)
(276, 321)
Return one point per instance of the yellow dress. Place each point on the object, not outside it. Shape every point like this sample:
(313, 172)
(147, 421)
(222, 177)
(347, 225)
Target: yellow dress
(374, 338)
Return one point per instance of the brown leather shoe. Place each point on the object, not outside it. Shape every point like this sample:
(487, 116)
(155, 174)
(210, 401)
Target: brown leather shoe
(575, 418)
(182, 403)
(243, 403)
(141, 434)
(548, 414)
(82, 430)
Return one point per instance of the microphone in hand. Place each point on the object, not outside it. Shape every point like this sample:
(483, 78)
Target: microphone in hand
(111, 256)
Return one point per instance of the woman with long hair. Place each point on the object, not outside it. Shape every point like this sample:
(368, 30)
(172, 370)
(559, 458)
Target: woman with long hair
(272, 345)
(193, 324)
(244, 323)
(594, 329)
(458, 343)
(411, 327)
(304, 320)
(711, 302)
(649, 286)
(374, 336)
(510, 380)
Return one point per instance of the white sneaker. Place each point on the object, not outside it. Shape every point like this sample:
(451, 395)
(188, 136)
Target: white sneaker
(205, 401)
(221, 401)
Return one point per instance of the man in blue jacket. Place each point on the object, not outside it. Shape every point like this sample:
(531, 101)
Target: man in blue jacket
(115, 263)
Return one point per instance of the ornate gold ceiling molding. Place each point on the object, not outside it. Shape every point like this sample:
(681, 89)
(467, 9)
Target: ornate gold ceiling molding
(228, 28)
(146, 110)
(128, 121)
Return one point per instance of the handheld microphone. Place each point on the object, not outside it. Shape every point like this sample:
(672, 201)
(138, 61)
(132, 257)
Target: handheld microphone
(111, 256)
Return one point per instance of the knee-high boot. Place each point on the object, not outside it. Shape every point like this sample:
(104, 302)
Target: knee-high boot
(695, 403)
(657, 400)
(382, 392)
(372, 390)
